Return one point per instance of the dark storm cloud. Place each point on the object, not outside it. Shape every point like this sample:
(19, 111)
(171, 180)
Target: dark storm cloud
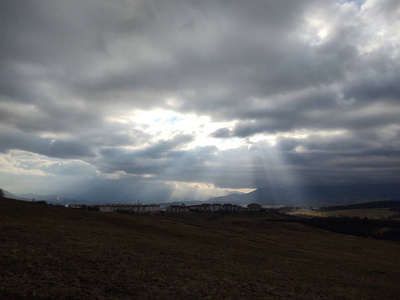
(14, 139)
(385, 87)
(225, 54)
(193, 45)
(222, 133)
(326, 69)
(160, 158)
(358, 158)
(163, 147)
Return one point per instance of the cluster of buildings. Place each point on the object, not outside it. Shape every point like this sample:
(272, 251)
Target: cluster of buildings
(128, 208)
(215, 207)
(172, 209)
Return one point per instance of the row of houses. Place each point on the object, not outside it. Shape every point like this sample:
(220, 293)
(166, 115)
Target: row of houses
(214, 207)
(128, 208)
(173, 209)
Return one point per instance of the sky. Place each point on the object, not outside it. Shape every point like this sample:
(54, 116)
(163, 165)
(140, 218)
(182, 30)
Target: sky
(157, 100)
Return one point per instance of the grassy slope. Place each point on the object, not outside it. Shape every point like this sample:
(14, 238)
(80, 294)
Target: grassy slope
(53, 252)
(370, 213)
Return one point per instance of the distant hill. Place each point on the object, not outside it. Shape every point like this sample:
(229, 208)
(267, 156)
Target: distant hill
(9, 195)
(235, 198)
(31, 196)
(54, 199)
(271, 196)
(186, 202)
(375, 204)
(276, 196)
(314, 195)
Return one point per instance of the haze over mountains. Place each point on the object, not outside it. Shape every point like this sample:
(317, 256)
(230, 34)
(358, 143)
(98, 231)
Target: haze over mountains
(268, 196)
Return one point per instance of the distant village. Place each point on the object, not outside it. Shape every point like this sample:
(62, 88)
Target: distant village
(172, 209)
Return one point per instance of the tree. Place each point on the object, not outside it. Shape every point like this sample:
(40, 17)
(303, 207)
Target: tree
(1, 193)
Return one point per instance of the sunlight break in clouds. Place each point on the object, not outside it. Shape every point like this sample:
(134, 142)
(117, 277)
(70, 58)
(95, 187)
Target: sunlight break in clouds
(150, 101)
(165, 124)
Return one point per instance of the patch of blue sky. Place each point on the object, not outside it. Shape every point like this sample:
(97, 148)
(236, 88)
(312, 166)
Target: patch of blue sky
(358, 3)
(172, 120)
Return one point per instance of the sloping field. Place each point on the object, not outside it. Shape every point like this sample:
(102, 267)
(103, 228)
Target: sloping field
(55, 253)
(370, 213)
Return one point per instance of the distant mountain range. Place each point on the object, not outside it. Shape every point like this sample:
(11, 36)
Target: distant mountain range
(315, 196)
(55, 199)
(11, 196)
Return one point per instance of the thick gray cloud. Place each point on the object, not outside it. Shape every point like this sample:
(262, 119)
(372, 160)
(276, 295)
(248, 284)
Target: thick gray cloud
(149, 160)
(14, 139)
(297, 92)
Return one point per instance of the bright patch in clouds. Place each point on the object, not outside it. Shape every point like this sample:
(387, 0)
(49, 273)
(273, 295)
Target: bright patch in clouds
(21, 162)
(202, 191)
(151, 100)
(165, 124)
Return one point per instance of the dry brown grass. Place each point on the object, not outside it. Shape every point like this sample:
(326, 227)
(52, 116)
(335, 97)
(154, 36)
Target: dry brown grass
(56, 253)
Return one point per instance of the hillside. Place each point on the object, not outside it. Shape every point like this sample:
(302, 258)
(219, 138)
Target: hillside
(368, 205)
(53, 252)
(314, 195)
(10, 195)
